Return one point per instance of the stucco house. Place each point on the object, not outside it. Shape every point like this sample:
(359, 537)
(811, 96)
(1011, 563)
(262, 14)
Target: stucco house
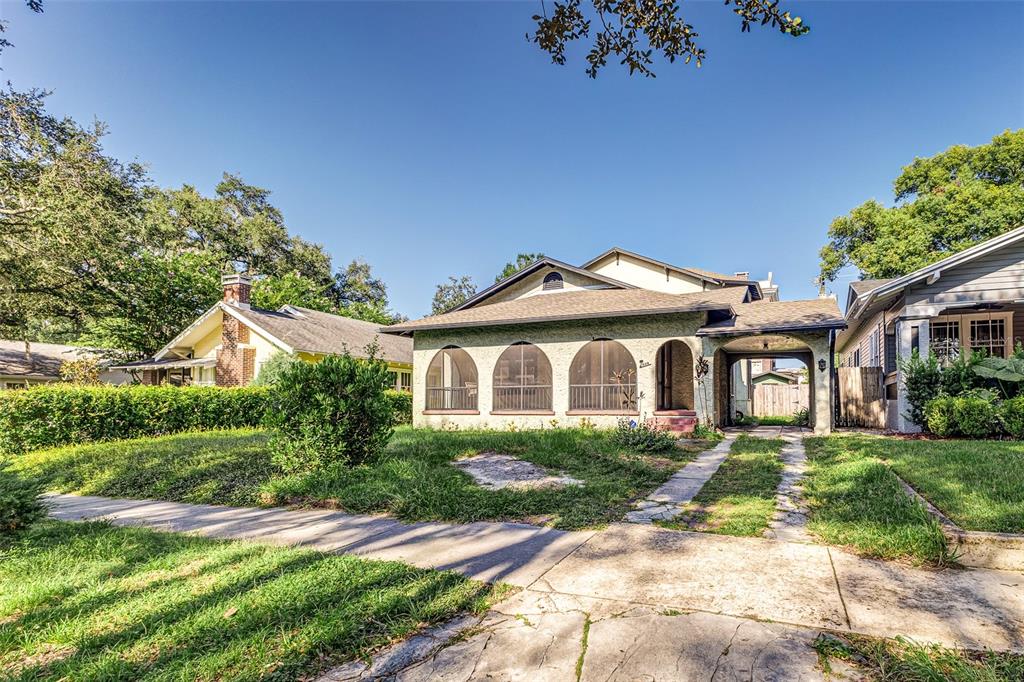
(973, 299)
(228, 344)
(24, 365)
(622, 335)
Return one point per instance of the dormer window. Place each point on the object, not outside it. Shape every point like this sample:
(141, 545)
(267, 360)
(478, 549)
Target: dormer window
(553, 280)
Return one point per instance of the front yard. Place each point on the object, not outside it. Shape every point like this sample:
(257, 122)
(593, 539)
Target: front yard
(90, 601)
(413, 479)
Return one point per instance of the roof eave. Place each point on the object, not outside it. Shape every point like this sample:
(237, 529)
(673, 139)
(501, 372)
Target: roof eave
(560, 318)
(779, 329)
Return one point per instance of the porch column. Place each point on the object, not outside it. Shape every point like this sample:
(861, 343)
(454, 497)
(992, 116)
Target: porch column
(904, 348)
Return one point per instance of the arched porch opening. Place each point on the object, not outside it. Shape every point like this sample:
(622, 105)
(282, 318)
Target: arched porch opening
(735, 390)
(674, 377)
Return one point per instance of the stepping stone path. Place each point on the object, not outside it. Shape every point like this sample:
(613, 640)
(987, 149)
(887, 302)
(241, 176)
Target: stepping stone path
(494, 471)
(667, 501)
(790, 521)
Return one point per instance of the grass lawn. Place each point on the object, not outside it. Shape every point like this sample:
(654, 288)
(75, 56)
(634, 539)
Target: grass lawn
(978, 484)
(740, 498)
(856, 501)
(899, 660)
(412, 480)
(91, 601)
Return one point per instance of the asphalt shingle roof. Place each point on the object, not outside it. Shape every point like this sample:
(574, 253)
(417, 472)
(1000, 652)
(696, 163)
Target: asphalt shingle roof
(571, 305)
(862, 286)
(43, 360)
(317, 332)
(771, 316)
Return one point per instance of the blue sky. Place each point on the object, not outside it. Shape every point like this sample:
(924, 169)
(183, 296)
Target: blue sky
(431, 139)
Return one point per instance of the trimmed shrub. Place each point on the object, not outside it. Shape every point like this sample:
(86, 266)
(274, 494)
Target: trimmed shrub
(19, 502)
(939, 416)
(401, 404)
(276, 365)
(53, 415)
(1011, 416)
(336, 410)
(642, 437)
(975, 416)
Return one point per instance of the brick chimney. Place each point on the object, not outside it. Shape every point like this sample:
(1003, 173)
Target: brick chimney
(235, 357)
(236, 289)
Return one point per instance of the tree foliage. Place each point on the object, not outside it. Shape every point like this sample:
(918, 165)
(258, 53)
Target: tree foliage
(69, 215)
(92, 252)
(632, 31)
(34, 5)
(522, 260)
(452, 294)
(944, 204)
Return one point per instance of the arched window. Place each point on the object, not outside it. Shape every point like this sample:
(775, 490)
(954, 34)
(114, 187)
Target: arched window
(552, 281)
(451, 381)
(522, 380)
(602, 378)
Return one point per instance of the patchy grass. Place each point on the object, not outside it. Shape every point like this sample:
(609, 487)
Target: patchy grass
(900, 660)
(413, 479)
(856, 501)
(90, 601)
(222, 467)
(978, 484)
(740, 498)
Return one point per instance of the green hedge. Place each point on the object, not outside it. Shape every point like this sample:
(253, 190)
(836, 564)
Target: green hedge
(53, 415)
(401, 403)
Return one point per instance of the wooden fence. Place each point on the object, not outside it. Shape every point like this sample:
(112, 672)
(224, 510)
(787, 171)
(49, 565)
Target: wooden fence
(861, 397)
(780, 400)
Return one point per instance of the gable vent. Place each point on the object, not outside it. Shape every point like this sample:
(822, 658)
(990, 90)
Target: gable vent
(553, 280)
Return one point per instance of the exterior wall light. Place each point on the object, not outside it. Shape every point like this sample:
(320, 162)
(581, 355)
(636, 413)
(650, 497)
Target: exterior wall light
(822, 365)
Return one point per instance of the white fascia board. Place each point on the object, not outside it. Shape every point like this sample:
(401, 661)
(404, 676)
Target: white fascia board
(186, 331)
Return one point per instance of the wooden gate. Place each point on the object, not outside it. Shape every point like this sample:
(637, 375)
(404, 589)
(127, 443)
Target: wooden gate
(780, 400)
(861, 397)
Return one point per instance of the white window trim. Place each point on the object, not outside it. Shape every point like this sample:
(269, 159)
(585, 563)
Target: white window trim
(965, 326)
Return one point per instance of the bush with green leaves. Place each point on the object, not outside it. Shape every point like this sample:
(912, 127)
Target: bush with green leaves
(401, 405)
(642, 437)
(336, 410)
(922, 382)
(20, 506)
(1011, 416)
(52, 415)
(939, 416)
(959, 376)
(276, 365)
(975, 415)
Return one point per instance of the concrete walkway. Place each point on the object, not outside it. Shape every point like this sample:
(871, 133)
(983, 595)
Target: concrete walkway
(804, 585)
(668, 500)
(790, 521)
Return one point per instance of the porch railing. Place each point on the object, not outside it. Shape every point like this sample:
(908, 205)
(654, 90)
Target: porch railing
(455, 398)
(522, 398)
(603, 397)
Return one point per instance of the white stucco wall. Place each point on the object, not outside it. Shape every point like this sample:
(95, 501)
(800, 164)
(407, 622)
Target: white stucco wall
(560, 341)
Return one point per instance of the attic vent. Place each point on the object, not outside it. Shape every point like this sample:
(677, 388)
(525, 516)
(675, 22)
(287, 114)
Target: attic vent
(553, 281)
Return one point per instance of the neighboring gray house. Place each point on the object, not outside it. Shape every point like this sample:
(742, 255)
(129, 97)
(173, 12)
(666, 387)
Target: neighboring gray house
(39, 363)
(972, 299)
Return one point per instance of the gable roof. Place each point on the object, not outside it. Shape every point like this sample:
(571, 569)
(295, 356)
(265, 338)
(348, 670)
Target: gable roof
(933, 271)
(294, 329)
(862, 286)
(312, 331)
(43, 360)
(544, 262)
(717, 278)
(573, 305)
(761, 317)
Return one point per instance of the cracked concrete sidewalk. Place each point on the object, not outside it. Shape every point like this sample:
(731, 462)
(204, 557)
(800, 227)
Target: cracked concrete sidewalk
(686, 590)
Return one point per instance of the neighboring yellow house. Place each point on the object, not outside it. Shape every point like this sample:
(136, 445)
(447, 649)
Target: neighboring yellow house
(231, 341)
